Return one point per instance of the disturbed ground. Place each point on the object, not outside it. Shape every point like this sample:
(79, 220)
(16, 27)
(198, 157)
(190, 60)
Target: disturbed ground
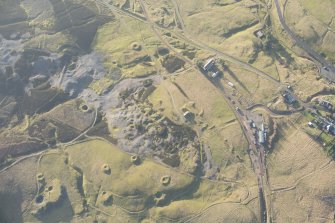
(109, 114)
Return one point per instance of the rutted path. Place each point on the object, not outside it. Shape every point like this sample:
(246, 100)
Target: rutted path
(179, 17)
(322, 168)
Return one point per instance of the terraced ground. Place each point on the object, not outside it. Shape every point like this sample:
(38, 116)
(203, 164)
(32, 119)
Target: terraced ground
(108, 115)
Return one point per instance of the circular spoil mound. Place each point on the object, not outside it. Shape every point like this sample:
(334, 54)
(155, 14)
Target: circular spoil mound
(159, 195)
(165, 180)
(135, 159)
(106, 198)
(84, 107)
(162, 51)
(40, 177)
(106, 169)
(48, 189)
(160, 198)
(39, 199)
(66, 160)
(136, 46)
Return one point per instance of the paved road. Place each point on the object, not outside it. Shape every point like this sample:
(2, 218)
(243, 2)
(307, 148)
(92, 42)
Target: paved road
(302, 44)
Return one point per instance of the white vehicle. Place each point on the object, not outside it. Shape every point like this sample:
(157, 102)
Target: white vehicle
(231, 84)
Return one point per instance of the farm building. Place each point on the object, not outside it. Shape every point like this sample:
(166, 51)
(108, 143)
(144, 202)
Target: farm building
(210, 63)
(326, 104)
(288, 98)
(261, 137)
(259, 34)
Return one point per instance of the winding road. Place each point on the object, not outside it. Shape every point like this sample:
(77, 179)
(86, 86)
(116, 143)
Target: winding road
(303, 45)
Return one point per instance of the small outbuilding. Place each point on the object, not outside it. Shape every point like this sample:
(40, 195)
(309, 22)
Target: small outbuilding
(216, 74)
(326, 104)
(259, 34)
(288, 98)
